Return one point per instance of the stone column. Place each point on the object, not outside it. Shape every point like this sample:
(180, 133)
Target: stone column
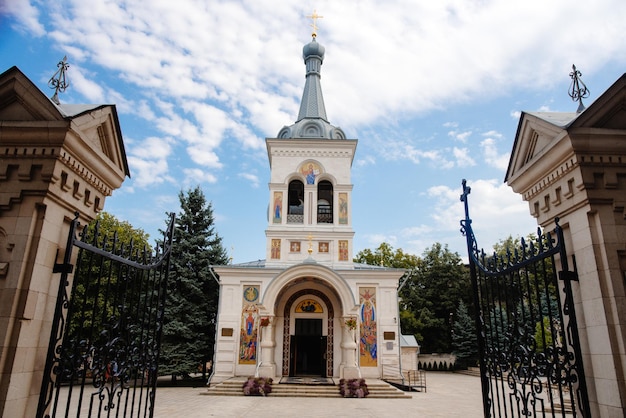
(267, 367)
(348, 368)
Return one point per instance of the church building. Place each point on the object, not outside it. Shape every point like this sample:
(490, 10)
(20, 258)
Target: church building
(308, 309)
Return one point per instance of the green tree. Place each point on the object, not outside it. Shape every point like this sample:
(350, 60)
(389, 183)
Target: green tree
(438, 282)
(385, 256)
(464, 339)
(116, 236)
(192, 292)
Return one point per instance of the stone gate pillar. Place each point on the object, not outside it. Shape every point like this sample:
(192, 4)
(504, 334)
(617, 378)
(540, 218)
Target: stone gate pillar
(573, 166)
(55, 160)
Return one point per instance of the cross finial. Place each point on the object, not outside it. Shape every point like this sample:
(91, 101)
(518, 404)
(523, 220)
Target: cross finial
(314, 16)
(577, 90)
(58, 81)
(466, 190)
(310, 238)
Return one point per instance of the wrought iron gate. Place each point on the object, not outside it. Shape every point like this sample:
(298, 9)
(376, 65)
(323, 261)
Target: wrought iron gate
(530, 357)
(104, 345)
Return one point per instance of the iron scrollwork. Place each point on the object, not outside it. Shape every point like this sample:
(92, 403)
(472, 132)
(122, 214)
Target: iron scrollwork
(530, 358)
(105, 340)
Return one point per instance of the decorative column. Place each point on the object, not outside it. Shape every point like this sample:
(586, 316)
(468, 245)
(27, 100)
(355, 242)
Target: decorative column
(267, 367)
(348, 368)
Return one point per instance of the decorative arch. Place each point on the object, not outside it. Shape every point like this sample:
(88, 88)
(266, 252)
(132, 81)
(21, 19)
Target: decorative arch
(330, 326)
(324, 274)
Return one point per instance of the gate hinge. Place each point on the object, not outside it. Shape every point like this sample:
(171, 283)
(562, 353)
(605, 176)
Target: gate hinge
(63, 268)
(568, 275)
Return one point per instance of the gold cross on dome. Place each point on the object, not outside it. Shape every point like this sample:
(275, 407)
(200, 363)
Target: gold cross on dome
(314, 16)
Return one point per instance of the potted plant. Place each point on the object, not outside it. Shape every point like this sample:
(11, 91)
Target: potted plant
(257, 386)
(351, 324)
(353, 388)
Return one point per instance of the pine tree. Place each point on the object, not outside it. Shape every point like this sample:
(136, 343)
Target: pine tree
(464, 340)
(192, 300)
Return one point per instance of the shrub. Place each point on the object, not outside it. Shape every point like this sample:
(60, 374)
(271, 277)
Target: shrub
(257, 386)
(353, 388)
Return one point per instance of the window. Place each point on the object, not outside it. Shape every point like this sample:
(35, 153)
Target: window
(295, 210)
(325, 202)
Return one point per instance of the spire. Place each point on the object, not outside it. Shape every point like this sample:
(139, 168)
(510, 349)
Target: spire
(312, 121)
(312, 105)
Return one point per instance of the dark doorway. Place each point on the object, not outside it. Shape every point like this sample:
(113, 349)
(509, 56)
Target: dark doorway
(308, 347)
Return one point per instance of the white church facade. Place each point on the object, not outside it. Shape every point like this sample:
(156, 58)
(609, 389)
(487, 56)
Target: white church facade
(308, 309)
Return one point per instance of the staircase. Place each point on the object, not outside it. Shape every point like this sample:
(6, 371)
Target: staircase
(377, 389)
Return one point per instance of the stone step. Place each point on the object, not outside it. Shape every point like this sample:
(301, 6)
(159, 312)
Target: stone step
(377, 389)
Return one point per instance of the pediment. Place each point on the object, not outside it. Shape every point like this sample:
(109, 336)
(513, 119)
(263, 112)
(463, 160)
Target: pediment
(99, 129)
(21, 100)
(23, 107)
(535, 135)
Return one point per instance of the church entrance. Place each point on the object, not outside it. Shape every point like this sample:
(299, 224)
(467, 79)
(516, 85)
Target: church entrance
(308, 348)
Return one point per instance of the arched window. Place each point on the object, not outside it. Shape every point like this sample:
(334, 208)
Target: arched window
(325, 202)
(295, 210)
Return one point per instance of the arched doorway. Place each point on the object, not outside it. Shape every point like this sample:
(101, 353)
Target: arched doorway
(306, 350)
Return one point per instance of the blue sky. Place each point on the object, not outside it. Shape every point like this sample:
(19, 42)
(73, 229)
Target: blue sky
(432, 90)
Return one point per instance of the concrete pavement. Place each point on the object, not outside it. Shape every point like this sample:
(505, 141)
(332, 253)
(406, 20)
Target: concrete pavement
(448, 395)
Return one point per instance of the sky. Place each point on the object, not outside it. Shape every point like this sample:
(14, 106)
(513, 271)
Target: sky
(432, 90)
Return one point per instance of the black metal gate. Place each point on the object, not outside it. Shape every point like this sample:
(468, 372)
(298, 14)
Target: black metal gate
(529, 350)
(104, 345)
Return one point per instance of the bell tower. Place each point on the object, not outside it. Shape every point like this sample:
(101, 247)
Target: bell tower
(310, 189)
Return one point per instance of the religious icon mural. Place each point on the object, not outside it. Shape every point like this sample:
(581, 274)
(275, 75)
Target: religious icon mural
(343, 208)
(343, 250)
(249, 326)
(368, 344)
(309, 306)
(310, 170)
(275, 249)
(278, 207)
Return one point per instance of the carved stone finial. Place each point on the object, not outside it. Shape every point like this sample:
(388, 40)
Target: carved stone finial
(58, 81)
(578, 90)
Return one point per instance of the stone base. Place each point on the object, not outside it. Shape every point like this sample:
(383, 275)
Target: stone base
(350, 373)
(267, 370)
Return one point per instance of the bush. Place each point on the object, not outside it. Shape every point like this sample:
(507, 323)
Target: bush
(257, 386)
(353, 388)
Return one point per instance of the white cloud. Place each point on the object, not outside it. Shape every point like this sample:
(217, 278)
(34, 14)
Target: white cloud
(460, 136)
(195, 176)
(490, 153)
(25, 13)
(147, 161)
(254, 179)
(462, 157)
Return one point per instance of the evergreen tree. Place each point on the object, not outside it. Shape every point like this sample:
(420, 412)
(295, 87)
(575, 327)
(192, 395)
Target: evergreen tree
(437, 284)
(192, 292)
(464, 339)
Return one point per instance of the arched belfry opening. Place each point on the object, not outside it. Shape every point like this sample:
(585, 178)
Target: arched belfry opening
(295, 210)
(325, 202)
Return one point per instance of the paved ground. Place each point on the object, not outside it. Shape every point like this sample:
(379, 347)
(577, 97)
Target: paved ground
(448, 395)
